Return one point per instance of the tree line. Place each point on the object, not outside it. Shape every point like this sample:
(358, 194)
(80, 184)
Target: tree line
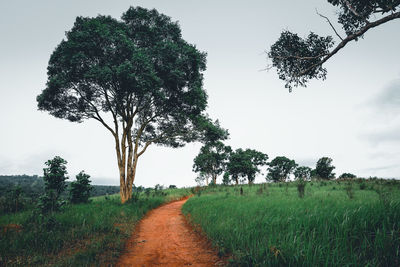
(241, 165)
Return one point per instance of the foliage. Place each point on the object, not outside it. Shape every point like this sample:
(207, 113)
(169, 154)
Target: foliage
(79, 191)
(349, 190)
(33, 186)
(212, 159)
(325, 228)
(140, 72)
(245, 164)
(225, 179)
(54, 181)
(347, 175)
(280, 168)
(292, 55)
(299, 60)
(302, 173)
(12, 201)
(324, 168)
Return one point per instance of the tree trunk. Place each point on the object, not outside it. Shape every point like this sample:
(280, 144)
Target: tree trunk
(236, 180)
(214, 179)
(126, 183)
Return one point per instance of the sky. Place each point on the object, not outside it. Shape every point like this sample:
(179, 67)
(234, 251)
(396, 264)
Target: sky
(352, 117)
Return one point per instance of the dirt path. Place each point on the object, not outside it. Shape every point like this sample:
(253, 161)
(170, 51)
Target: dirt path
(164, 238)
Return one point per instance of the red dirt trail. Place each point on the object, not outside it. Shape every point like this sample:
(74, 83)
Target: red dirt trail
(164, 238)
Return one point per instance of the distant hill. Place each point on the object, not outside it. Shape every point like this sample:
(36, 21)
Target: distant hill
(33, 186)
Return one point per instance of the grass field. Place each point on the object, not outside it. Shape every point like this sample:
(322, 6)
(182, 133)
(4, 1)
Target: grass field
(90, 234)
(335, 224)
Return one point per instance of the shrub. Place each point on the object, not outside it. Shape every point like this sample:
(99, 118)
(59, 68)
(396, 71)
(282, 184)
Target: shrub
(363, 186)
(80, 190)
(301, 186)
(349, 190)
(347, 176)
(54, 178)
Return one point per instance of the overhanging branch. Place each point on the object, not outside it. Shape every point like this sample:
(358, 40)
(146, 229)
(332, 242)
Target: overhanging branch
(350, 38)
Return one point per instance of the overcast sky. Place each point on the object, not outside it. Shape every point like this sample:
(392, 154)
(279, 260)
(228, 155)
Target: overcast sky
(352, 117)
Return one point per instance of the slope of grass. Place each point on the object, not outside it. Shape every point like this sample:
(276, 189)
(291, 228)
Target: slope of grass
(90, 234)
(269, 225)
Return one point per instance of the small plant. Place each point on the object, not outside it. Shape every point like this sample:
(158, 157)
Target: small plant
(363, 186)
(349, 190)
(54, 178)
(135, 193)
(301, 186)
(260, 190)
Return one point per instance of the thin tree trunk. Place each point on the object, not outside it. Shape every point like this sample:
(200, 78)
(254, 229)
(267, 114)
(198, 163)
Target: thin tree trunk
(214, 178)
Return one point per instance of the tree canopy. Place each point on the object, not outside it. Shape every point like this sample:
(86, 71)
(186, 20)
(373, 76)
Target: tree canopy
(280, 168)
(302, 173)
(136, 76)
(212, 159)
(299, 60)
(324, 168)
(245, 164)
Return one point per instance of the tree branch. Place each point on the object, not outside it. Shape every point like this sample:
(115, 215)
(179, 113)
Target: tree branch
(333, 28)
(350, 38)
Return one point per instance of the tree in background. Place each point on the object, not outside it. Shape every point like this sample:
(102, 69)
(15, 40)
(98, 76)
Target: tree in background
(245, 164)
(54, 178)
(347, 175)
(324, 168)
(280, 169)
(80, 189)
(137, 72)
(211, 160)
(225, 179)
(302, 173)
(299, 60)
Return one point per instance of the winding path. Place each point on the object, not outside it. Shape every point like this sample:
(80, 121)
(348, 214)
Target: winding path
(163, 238)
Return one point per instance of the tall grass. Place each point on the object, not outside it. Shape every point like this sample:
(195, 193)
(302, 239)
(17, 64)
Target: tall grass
(90, 234)
(271, 226)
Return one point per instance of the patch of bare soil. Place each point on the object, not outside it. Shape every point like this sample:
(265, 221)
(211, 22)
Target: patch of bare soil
(164, 238)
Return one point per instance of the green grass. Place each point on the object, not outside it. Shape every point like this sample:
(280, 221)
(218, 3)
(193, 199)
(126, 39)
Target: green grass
(90, 234)
(269, 225)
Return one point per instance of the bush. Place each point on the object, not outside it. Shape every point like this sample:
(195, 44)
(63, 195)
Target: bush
(80, 190)
(54, 178)
(347, 176)
(363, 186)
(349, 190)
(301, 186)
(12, 201)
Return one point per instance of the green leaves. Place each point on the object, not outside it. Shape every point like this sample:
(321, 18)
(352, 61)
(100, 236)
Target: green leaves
(298, 60)
(138, 68)
(280, 168)
(324, 168)
(245, 164)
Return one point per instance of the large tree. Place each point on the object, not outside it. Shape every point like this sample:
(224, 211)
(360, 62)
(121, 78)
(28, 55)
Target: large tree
(299, 60)
(280, 169)
(135, 76)
(324, 168)
(245, 164)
